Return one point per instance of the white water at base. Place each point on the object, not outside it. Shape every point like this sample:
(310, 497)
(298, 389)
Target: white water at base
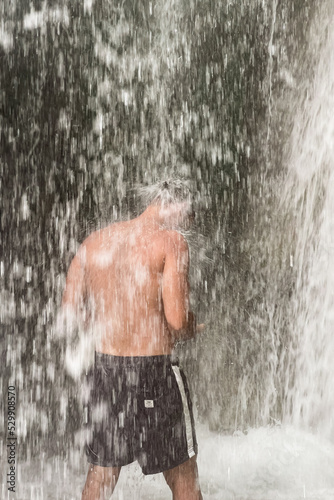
(268, 463)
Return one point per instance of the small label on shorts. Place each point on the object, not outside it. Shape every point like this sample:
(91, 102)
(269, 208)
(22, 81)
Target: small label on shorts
(149, 403)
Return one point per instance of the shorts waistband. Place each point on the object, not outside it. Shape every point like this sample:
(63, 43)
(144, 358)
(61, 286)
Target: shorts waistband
(112, 360)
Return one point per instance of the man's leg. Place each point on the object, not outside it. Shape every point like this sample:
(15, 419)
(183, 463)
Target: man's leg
(183, 481)
(100, 482)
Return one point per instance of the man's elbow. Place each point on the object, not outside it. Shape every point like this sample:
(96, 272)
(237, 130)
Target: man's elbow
(182, 327)
(66, 322)
(177, 323)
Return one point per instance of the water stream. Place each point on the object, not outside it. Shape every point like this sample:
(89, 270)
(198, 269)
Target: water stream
(101, 97)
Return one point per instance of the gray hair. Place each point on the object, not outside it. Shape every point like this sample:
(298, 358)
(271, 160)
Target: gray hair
(166, 192)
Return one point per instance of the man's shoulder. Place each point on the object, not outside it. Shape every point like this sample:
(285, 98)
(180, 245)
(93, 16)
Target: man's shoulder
(90, 241)
(175, 240)
(94, 241)
(100, 236)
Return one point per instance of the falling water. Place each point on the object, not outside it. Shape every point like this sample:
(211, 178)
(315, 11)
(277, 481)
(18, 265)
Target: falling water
(99, 97)
(310, 195)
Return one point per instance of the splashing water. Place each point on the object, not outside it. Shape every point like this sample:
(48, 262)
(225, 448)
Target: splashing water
(269, 463)
(310, 188)
(291, 461)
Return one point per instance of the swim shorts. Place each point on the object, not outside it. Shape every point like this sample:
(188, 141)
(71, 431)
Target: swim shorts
(140, 409)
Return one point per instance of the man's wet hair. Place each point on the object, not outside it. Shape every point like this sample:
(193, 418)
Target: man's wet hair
(166, 192)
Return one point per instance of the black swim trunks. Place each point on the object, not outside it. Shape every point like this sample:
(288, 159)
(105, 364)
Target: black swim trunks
(140, 409)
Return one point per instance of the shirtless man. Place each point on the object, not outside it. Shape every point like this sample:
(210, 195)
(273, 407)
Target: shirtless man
(131, 281)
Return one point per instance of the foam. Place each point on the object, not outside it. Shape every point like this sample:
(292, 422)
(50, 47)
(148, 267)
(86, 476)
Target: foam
(268, 463)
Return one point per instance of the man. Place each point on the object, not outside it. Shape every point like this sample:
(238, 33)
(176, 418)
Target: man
(130, 281)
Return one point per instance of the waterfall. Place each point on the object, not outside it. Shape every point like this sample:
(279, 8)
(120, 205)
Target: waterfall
(101, 96)
(309, 196)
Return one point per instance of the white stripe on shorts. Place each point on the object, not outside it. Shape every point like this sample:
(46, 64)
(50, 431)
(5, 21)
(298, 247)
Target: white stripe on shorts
(189, 433)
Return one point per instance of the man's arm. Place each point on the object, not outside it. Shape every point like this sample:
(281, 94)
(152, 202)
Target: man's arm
(72, 321)
(73, 311)
(74, 292)
(175, 289)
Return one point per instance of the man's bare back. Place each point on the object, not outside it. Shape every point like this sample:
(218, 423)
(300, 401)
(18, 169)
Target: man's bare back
(131, 280)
